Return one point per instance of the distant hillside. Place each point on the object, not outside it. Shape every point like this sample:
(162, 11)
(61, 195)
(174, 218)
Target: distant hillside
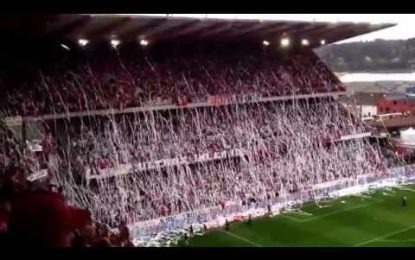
(377, 87)
(379, 55)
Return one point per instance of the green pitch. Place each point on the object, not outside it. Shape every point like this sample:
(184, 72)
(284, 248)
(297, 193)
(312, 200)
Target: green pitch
(373, 219)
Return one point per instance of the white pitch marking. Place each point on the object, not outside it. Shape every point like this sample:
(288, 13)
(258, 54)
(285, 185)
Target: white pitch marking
(241, 238)
(384, 236)
(406, 189)
(396, 240)
(332, 213)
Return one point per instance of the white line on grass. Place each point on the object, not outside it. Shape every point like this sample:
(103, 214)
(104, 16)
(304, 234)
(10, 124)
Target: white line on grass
(242, 238)
(339, 211)
(384, 236)
(363, 196)
(332, 213)
(406, 189)
(324, 206)
(389, 193)
(396, 240)
(292, 218)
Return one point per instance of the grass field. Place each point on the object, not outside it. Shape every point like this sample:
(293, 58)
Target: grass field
(375, 219)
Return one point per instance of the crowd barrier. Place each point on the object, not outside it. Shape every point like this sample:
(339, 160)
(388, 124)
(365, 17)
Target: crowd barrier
(127, 168)
(169, 104)
(167, 230)
(157, 164)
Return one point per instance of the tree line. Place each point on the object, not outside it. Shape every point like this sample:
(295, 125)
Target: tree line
(370, 56)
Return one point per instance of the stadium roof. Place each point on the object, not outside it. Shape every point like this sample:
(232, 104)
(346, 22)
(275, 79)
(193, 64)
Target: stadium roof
(166, 28)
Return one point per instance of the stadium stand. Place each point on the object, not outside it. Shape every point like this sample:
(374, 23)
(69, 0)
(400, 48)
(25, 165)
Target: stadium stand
(145, 81)
(203, 128)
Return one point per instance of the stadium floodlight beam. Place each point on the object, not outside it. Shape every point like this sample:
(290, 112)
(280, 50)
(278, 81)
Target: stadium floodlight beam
(322, 42)
(115, 43)
(65, 46)
(305, 42)
(143, 42)
(285, 42)
(265, 43)
(83, 42)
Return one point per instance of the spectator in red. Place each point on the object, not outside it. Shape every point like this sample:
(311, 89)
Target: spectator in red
(124, 235)
(103, 235)
(43, 219)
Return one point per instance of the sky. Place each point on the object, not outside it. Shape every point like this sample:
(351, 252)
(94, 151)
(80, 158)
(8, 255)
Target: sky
(404, 29)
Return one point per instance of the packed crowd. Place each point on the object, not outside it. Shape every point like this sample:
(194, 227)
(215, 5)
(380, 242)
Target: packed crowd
(103, 143)
(286, 147)
(123, 81)
(35, 212)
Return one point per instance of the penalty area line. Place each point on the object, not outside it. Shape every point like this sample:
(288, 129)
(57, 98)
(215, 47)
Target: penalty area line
(241, 238)
(295, 219)
(396, 240)
(405, 189)
(384, 236)
(333, 212)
